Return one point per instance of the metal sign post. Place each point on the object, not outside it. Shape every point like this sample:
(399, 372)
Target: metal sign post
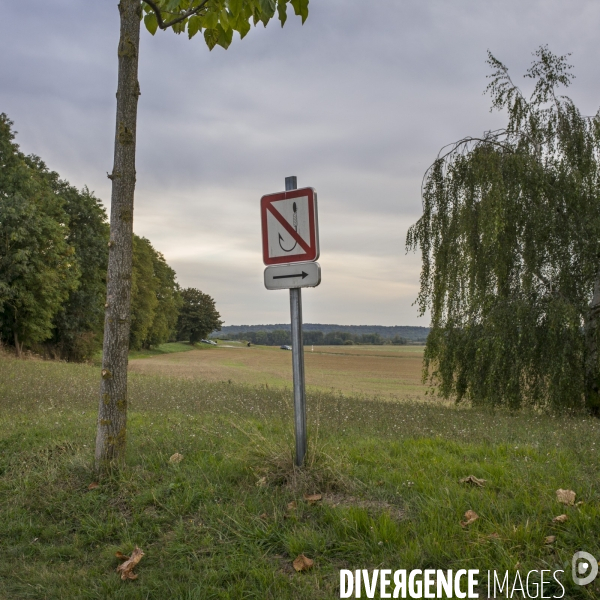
(298, 360)
(290, 248)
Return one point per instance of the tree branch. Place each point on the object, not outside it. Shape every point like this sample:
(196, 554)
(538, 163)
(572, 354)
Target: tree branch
(188, 13)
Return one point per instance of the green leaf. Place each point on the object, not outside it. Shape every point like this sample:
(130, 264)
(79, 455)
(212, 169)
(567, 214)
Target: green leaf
(172, 5)
(282, 11)
(151, 23)
(224, 20)
(242, 26)
(211, 37)
(194, 26)
(236, 7)
(210, 20)
(300, 8)
(225, 37)
(267, 8)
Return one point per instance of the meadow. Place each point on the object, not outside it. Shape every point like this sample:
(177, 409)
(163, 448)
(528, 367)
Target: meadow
(228, 520)
(392, 372)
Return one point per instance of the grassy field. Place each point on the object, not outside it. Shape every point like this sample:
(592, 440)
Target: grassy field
(391, 372)
(219, 524)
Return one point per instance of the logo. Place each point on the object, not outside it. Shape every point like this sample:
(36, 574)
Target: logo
(585, 568)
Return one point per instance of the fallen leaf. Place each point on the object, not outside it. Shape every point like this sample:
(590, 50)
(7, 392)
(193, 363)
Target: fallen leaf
(494, 536)
(261, 482)
(292, 505)
(313, 498)
(473, 480)
(566, 497)
(121, 556)
(579, 503)
(470, 517)
(550, 539)
(93, 485)
(176, 458)
(264, 516)
(126, 568)
(560, 519)
(302, 563)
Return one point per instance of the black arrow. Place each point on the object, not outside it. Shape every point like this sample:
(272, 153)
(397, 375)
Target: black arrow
(303, 275)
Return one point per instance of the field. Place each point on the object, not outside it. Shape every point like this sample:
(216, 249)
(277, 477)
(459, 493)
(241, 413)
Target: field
(392, 372)
(229, 519)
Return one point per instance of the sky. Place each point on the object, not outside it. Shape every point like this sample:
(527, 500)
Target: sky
(356, 103)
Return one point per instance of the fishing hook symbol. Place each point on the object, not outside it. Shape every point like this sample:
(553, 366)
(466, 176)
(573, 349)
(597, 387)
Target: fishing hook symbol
(295, 221)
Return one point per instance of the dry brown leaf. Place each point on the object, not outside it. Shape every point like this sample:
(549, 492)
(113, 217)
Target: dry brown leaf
(473, 480)
(470, 517)
(121, 556)
(126, 568)
(560, 519)
(292, 505)
(93, 485)
(550, 539)
(302, 563)
(176, 458)
(313, 498)
(264, 516)
(261, 482)
(566, 497)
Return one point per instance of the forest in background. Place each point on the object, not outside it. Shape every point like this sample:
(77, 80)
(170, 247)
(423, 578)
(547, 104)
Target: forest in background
(53, 258)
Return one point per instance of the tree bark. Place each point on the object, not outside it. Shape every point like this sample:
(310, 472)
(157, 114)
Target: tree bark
(592, 364)
(111, 434)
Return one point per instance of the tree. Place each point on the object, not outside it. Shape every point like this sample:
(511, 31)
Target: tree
(78, 324)
(198, 316)
(155, 298)
(510, 240)
(38, 269)
(217, 20)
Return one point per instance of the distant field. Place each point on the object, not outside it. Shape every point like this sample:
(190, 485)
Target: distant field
(387, 371)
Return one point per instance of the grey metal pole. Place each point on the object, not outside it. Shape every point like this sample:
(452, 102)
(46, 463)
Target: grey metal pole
(297, 360)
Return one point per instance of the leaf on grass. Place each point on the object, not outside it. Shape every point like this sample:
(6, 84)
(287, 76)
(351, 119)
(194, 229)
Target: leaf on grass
(292, 505)
(176, 458)
(494, 536)
(549, 539)
(560, 519)
(121, 556)
(470, 516)
(261, 482)
(566, 497)
(313, 498)
(302, 563)
(264, 516)
(93, 485)
(473, 480)
(126, 569)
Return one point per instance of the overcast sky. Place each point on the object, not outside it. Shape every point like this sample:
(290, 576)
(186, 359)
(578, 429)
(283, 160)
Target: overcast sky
(356, 103)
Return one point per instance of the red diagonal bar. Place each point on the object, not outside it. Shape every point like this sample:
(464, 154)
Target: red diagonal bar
(288, 228)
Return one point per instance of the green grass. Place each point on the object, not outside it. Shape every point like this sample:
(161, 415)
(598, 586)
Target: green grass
(217, 525)
(168, 348)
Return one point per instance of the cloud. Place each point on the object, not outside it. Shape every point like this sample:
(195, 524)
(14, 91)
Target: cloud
(356, 103)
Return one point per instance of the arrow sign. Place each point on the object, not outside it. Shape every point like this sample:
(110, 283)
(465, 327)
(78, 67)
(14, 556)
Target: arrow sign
(303, 275)
(283, 277)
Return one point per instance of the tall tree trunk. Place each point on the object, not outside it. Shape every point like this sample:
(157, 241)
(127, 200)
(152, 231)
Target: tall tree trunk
(111, 434)
(18, 347)
(592, 360)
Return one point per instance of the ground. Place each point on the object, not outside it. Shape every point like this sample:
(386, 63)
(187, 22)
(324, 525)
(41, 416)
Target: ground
(392, 372)
(228, 519)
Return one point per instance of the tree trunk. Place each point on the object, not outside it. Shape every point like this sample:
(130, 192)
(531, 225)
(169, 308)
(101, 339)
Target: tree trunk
(18, 347)
(592, 364)
(111, 434)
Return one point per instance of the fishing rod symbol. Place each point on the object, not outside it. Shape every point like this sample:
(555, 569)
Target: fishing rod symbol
(295, 222)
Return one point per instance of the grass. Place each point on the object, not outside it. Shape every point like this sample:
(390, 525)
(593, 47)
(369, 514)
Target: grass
(393, 372)
(217, 525)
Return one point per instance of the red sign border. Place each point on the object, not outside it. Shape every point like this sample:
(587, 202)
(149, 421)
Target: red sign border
(266, 205)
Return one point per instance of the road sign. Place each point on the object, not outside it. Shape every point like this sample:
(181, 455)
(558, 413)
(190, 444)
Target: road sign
(290, 231)
(283, 277)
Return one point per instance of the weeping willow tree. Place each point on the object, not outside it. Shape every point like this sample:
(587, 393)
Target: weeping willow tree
(510, 243)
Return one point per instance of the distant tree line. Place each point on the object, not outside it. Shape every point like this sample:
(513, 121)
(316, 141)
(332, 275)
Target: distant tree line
(412, 333)
(281, 337)
(53, 258)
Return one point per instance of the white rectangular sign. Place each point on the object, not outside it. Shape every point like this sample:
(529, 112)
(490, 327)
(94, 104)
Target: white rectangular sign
(297, 275)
